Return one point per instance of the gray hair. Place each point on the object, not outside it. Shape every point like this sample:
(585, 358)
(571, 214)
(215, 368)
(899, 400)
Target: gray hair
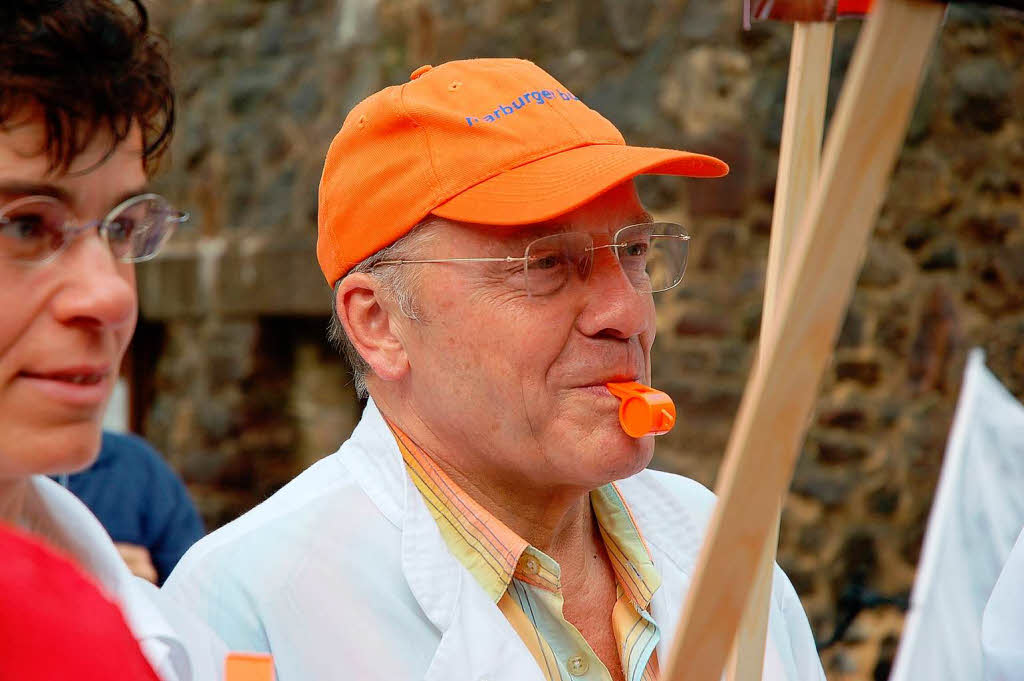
(396, 282)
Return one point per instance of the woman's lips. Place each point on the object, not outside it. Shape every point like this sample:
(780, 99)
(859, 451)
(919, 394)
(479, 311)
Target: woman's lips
(73, 387)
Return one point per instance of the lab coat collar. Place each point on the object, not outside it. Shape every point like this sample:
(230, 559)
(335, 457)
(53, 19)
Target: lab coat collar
(374, 460)
(476, 639)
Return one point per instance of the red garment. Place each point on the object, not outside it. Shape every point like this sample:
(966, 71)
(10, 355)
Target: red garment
(55, 623)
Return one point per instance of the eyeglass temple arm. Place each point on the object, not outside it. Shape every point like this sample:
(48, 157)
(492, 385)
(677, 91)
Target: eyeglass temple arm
(414, 262)
(684, 237)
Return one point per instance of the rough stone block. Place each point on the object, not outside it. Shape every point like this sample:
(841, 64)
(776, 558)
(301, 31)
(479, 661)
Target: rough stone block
(831, 488)
(981, 89)
(844, 418)
(893, 329)
(169, 286)
(989, 228)
(262, 278)
(919, 232)
(884, 500)
(725, 196)
(851, 334)
(944, 256)
(839, 452)
(702, 325)
(933, 344)
(865, 372)
(884, 266)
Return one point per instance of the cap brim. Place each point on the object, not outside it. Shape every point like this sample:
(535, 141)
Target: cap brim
(555, 185)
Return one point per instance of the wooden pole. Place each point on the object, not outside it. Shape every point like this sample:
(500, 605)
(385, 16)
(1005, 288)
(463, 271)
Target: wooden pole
(864, 140)
(799, 154)
(803, 127)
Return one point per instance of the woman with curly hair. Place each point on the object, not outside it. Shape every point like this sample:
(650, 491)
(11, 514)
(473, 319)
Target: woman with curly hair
(86, 108)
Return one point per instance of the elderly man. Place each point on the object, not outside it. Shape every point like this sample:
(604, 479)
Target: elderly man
(492, 270)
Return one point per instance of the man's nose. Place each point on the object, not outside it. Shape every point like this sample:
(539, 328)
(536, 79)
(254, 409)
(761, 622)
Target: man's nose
(96, 289)
(614, 307)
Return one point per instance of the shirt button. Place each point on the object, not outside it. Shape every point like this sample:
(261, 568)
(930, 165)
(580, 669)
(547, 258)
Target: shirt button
(578, 666)
(531, 565)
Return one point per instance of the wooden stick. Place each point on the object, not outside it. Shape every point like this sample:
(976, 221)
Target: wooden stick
(864, 140)
(802, 128)
(746, 659)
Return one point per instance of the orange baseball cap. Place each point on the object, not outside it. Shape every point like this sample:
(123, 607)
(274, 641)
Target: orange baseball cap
(484, 141)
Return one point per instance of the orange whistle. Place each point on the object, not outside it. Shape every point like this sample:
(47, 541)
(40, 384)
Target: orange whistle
(249, 667)
(644, 410)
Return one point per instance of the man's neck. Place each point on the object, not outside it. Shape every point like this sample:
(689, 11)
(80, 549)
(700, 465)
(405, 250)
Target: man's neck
(556, 520)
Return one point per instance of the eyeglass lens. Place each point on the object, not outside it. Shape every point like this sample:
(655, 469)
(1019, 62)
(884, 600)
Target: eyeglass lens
(34, 229)
(652, 256)
(139, 230)
(30, 229)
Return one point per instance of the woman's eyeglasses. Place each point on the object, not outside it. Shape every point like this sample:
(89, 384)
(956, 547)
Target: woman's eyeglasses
(36, 229)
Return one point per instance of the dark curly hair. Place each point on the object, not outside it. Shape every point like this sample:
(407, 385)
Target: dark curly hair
(86, 67)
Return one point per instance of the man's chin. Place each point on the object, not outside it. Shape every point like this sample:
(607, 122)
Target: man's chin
(636, 457)
(602, 451)
(610, 454)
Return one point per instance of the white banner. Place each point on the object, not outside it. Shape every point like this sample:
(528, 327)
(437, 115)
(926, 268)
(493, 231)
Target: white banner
(1002, 627)
(974, 522)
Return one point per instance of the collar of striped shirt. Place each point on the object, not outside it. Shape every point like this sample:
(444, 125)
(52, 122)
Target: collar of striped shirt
(507, 568)
(494, 554)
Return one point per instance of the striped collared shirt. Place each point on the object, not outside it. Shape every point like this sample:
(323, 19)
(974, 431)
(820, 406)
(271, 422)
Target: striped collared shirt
(525, 583)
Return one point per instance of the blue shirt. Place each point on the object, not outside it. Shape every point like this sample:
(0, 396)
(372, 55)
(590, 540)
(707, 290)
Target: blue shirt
(139, 500)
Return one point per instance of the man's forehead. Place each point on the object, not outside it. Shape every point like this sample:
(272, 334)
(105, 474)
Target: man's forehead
(524, 234)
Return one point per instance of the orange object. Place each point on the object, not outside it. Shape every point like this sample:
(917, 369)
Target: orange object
(484, 141)
(249, 667)
(644, 410)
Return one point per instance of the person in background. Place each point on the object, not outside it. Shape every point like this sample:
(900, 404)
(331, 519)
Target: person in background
(141, 502)
(86, 107)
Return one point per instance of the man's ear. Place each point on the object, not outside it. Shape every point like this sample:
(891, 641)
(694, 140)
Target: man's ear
(369, 324)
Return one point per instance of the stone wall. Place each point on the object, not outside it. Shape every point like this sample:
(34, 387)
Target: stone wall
(234, 382)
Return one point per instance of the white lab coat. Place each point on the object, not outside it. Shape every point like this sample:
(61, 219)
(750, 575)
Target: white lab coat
(343, 574)
(1002, 625)
(179, 646)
